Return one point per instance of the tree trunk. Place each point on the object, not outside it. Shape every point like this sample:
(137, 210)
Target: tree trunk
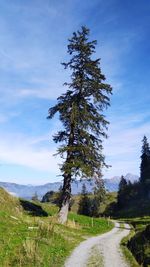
(66, 196)
(66, 191)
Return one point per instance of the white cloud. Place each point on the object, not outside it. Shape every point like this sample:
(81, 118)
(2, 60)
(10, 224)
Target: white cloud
(123, 147)
(21, 151)
(43, 93)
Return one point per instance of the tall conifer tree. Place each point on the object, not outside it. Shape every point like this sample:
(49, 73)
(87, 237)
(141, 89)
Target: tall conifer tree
(122, 193)
(81, 113)
(145, 167)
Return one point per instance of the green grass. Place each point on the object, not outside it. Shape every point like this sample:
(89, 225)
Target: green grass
(43, 245)
(32, 237)
(91, 226)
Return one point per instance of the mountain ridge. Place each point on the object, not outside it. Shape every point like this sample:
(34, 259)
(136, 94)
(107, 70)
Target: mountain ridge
(27, 191)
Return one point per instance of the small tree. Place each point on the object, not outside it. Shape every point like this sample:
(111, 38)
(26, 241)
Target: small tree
(84, 203)
(100, 190)
(123, 183)
(81, 113)
(35, 197)
(122, 192)
(99, 197)
(58, 197)
(48, 197)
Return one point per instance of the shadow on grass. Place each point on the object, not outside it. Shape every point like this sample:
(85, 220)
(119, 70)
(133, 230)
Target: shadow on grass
(33, 209)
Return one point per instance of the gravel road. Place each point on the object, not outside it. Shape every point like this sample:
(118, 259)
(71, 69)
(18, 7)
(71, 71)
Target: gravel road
(107, 245)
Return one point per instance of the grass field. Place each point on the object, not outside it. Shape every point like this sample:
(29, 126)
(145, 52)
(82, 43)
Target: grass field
(30, 235)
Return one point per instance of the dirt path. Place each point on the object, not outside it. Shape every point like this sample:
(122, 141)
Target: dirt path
(105, 249)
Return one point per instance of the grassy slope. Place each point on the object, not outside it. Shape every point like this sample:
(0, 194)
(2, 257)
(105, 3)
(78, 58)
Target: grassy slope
(30, 238)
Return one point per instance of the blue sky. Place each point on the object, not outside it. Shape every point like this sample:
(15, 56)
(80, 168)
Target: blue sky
(33, 40)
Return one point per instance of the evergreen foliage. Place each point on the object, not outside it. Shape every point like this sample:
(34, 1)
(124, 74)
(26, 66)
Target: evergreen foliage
(129, 194)
(81, 113)
(84, 203)
(58, 198)
(90, 205)
(99, 197)
(99, 190)
(145, 167)
(145, 146)
(123, 183)
(53, 197)
(122, 192)
(48, 197)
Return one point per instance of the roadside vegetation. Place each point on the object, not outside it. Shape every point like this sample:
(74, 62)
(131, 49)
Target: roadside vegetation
(139, 245)
(31, 236)
(138, 242)
(127, 253)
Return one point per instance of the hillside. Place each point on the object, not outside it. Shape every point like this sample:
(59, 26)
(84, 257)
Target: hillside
(9, 203)
(30, 235)
(27, 191)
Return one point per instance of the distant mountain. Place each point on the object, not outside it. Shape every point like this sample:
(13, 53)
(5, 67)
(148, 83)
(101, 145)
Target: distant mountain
(27, 191)
(132, 178)
(112, 183)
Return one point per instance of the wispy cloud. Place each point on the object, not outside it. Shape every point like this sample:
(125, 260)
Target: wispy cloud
(123, 147)
(21, 150)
